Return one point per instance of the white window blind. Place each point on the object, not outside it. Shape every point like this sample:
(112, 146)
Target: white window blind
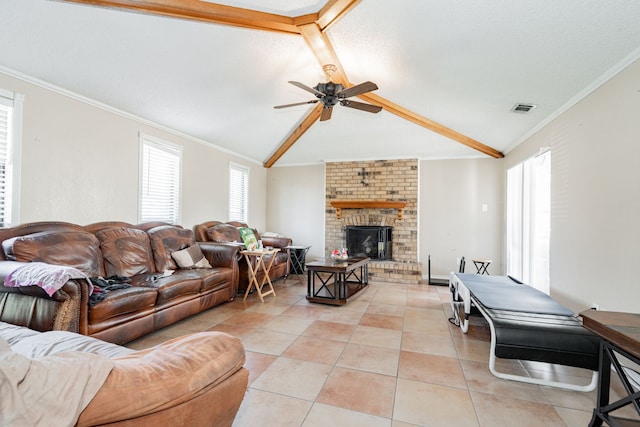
(6, 161)
(238, 192)
(528, 220)
(159, 181)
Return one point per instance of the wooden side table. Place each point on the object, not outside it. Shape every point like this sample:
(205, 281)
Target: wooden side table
(255, 261)
(481, 265)
(620, 333)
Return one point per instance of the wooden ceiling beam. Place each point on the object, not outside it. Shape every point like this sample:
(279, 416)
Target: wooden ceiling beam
(203, 11)
(311, 118)
(333, 11)
(321, 47)
(430, 124)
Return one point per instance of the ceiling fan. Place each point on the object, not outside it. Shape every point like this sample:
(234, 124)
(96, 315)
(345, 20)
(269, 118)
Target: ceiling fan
(331, 93)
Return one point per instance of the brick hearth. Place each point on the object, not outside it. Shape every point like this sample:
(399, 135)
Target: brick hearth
(379, 180)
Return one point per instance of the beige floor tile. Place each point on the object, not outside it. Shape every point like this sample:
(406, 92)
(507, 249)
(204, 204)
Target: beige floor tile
(371, 359)
(305, 310)
(433, 405)
(338, 315)
(235, 330)
(295, 378)
(382, 321)
(431, 369)
(514, 412)
(327, 415)
(376, 337)
(269, 307)
(439, 345)
(288, 325)
(388, 309)
(359, 391)
(268, 342)
(426, 326)
(317, 350)
(571, 399)
(574, 417)
(475, 350)
(330, 330)
(260, 408)
(249, 319)
(257, 363)
(480, 379)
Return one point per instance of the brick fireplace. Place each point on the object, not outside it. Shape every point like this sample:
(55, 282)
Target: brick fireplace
(376, 193)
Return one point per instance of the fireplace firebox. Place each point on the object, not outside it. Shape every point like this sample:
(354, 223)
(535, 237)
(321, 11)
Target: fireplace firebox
(374, 242)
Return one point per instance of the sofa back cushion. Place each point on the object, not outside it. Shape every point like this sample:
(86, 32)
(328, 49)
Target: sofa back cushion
(126, 251)
(224, 233)
(77, 249)
(165, 240)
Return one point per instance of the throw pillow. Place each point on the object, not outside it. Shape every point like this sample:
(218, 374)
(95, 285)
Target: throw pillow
(191, 257)
(249, 238)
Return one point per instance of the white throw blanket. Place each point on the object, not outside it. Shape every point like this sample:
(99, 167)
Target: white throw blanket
(48, 391)
(47, 276)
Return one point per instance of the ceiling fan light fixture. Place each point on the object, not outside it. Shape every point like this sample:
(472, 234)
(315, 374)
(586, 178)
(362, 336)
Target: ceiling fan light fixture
(329, 69)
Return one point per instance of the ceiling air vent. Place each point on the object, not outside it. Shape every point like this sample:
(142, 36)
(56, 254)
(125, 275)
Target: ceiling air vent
(523, 108)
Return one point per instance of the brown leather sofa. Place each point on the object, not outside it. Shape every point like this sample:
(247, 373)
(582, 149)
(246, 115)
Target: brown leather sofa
(140, 252)
(227, 232)
(196, 380)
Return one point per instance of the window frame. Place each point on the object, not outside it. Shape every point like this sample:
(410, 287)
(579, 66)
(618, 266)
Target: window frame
(11, 200)
(170, 148)
(244, 215)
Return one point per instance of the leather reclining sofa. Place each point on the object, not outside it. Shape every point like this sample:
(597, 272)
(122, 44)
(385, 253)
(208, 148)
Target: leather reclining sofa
(227, 233)
(139, 252)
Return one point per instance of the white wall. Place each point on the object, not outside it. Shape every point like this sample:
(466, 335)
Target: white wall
(452, 221)
(595, 196)
(80, 164)
(295, 205)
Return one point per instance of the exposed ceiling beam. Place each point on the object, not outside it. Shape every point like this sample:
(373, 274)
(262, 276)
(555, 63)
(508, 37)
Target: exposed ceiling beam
(312, 27)
(196, 10)
(430, 124)
(295, 135)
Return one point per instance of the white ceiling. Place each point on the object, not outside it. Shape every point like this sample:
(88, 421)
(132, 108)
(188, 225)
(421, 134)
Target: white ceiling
(463, 64)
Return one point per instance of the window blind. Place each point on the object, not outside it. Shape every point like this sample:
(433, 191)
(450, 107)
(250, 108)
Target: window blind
(238, 192)
(160, 181)
(6, 107)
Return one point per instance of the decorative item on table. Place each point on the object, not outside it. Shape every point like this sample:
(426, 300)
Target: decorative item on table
(339, 255)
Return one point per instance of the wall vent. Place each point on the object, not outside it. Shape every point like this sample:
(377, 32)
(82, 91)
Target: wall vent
(523, 108)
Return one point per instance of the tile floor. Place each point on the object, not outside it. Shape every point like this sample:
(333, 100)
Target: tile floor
(388, 358)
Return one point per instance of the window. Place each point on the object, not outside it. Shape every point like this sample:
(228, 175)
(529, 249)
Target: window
(159, 180)
(528, 220)
(238, 192)
(10, 136)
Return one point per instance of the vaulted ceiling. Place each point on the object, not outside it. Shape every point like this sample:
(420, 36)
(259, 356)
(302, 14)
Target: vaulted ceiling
(448, 72)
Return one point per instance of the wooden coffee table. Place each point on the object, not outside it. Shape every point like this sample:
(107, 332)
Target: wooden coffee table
(338, 281)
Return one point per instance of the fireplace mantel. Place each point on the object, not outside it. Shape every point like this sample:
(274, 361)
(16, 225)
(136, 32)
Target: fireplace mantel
(367, 204)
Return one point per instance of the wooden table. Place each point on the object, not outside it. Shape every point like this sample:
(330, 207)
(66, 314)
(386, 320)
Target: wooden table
(339, 280)
(254, 267)
(620, 333)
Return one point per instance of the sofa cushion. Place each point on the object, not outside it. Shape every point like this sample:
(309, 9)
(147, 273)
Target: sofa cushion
(165, 240)
(191, 257)
(224, 233)
(179, 285)
(77, 249)
(123, 301)
(126, 252)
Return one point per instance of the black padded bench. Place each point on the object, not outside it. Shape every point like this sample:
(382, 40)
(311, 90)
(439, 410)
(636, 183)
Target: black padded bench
(525, 324)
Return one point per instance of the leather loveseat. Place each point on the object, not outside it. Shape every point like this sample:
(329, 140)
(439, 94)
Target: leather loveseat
(227, 232)
(196, 380)
(142, 253)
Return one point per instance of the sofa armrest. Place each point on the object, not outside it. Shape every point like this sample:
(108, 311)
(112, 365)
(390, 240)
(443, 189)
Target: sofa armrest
(166, 376)
(30, 306)
(221, 254)
(276, 242)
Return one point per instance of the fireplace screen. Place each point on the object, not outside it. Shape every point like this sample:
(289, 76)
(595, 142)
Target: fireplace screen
(370, 241)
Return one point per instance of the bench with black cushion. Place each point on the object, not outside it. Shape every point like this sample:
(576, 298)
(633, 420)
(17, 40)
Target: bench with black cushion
(527, 324)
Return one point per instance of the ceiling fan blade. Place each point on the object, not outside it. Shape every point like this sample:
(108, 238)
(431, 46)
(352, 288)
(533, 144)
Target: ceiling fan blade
(307, 88)
(357, 89)
(326, 113)
(361, 106)
(296, 103)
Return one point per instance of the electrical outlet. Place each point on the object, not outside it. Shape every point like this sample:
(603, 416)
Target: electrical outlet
(595, 306)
